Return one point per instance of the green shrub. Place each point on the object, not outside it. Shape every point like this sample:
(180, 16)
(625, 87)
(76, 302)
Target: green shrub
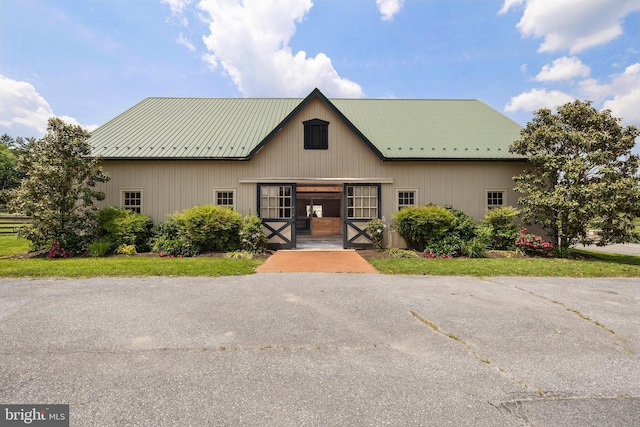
(401, 253)
(125, 249)
(463, 225)
(175, 247)
(100, 248)
(504, 226)
(239, 255)
(475, 248)
(252, 238)
(375, 228)
(449, 244)
(419, 226)
(210, 228)
(124, 227)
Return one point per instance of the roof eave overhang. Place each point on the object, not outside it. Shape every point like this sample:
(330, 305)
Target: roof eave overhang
(454, 159)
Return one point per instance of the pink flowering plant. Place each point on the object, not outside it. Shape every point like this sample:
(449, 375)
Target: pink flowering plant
(530, 244)
(432, 255)
(57, 250)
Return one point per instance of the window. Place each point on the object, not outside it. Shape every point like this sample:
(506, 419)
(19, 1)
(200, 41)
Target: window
(132, 200)
(362, 201)
(225, 198)
(316, 134)
(495, 199)
(406, 199)
(276, 201)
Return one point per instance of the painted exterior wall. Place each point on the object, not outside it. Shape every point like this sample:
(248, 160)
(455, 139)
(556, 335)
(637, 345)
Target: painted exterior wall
(171, 185)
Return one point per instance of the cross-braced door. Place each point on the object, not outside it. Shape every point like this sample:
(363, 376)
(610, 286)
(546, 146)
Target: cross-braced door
(276, 207)
(361, 205)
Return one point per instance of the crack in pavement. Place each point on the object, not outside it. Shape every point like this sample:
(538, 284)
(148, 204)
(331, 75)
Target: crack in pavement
(289, 347)
(470, 349)
(619, 339)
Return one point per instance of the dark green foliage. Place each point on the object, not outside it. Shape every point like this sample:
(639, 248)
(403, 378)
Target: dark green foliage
(503, 226)
(581, 169)
(201, 229)
(124, 227)
(169, 240)
(421, 225)
(58, 189)
(252, 238)
(448, 243)
(475, 248)
(100, 248)
(211, 228)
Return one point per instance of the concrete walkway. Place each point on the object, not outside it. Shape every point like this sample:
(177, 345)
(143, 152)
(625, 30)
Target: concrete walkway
(316, 261)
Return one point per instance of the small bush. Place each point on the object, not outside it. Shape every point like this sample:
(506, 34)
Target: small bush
(100, 248)
(57, 250)
(180, 246)
(124, 227)
(530, 244)
(449, 244)
(475, 248)
(239, 255)
(421, 225)
(210, 228)
(401, 253)
(252, 238)
(126, 250)
(375, 228)
(504, 227)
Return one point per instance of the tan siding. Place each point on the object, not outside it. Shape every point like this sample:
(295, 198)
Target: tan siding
(173, 185)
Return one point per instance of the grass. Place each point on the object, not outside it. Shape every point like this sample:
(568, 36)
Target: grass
(597, 265)
(10, 245)
(126, 267)
(115, 266)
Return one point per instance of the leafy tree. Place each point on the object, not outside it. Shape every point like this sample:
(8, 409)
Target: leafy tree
(8, 176)
(58, 190)
(10, 149)
(581, 170)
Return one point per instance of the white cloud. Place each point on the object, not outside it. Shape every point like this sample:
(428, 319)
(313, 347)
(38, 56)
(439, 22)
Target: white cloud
(565, 68)
(22, 107)
(176, 6)
(536, 99)
(508, 4)
(575, 25)
(185, 42)
(249, 39)
(388, 8)
(625, 90)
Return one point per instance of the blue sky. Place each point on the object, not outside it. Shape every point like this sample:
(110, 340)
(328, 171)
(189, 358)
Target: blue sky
(87, 61)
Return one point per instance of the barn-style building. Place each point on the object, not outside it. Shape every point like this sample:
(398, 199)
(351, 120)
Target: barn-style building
(309, 167)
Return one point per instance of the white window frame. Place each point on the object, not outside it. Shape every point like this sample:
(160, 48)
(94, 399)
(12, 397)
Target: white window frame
(495, 190)
(123, 204)
(361, 205)
(224, 190)
(406, 190)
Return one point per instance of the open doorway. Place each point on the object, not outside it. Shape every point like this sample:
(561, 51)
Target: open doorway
(318, 218)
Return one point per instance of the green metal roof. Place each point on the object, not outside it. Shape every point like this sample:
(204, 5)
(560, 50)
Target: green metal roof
(236, 128)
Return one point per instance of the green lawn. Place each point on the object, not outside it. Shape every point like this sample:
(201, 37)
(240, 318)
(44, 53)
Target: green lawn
(126, 267)
(11, 245)
(599, 265)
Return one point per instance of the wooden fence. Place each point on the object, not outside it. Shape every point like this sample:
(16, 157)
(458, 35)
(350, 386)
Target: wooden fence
(9, 224)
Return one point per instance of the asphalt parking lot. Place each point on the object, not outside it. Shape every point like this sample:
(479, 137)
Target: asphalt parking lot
(293, 349)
